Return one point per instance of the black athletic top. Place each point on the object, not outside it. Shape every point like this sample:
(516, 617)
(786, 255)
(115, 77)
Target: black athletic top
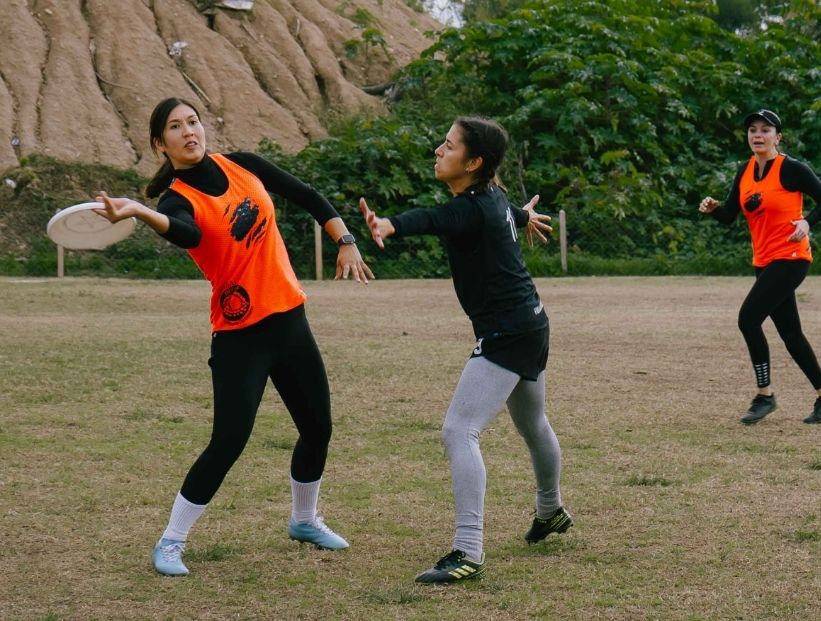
(207, 177)
(479, 230)
(795, 177)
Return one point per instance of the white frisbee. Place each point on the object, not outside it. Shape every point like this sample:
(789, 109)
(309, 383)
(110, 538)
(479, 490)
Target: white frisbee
(79, 228)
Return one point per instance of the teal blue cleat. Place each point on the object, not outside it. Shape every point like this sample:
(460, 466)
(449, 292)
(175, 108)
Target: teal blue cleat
(167, 558)
(317, 533)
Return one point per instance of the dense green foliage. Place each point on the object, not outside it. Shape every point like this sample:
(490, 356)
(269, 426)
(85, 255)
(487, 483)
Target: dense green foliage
(750, 15)
(623, 117)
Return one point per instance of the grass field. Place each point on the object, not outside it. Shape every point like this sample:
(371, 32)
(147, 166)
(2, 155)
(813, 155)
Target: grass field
(681, 513)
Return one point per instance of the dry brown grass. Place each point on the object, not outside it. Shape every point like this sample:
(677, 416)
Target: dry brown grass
(681, 513)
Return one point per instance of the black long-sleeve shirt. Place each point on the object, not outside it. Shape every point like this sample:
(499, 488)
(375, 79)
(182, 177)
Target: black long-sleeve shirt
(478, 228)
(457, 218)
(795, 177)
(207, 177)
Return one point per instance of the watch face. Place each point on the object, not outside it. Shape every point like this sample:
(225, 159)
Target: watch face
(346, 239)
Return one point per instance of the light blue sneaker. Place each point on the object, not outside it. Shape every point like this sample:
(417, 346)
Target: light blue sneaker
(317, 533)
(168, 558)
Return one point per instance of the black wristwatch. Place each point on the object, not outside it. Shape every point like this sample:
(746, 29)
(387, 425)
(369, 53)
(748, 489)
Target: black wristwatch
(346, 240)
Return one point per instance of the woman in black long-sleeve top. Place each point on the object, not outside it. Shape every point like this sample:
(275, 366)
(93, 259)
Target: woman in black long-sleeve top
(479, 228)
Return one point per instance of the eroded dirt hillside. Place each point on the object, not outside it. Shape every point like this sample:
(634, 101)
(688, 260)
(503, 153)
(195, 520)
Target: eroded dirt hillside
(79, 78)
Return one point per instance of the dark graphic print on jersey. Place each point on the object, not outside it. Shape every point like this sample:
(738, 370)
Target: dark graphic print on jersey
(243, 220)
(235, 303)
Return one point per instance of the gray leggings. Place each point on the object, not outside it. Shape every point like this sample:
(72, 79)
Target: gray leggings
(482, 392)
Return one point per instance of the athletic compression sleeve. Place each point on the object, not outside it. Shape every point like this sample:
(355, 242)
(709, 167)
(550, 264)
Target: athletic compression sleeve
(459, 216)
(182, 230)
(520, 217)
(799, 177)
(283, 184)
(728, 212)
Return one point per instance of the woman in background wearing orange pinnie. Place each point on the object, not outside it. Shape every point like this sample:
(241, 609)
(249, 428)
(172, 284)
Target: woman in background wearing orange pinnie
(768, 189)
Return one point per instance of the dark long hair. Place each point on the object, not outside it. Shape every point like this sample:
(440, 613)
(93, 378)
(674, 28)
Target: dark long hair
(159, 117)
(484, 138)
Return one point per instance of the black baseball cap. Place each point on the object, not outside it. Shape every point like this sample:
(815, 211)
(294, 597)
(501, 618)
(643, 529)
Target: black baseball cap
(768, 116)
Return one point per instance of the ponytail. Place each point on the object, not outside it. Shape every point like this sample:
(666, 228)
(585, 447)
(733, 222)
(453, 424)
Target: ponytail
(487, 139)
(160, 181)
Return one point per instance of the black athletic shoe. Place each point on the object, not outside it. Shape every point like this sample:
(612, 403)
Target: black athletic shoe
(559, 522)
(452, 567)
(815, 417)
(759, 408)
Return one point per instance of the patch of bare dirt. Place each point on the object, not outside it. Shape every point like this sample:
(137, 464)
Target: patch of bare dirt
(79, 78)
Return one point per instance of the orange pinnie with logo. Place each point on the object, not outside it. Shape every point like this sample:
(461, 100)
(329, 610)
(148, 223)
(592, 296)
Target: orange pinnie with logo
(770, 210)
(241, 251)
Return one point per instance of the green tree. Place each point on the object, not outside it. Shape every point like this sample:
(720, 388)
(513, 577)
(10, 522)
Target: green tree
(623, 117)
(734, 14)
(478, 10)
(626, 116)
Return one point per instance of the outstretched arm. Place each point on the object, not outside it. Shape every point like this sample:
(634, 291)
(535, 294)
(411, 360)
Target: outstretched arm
(727, 212)
(380, 227)
(116, 209)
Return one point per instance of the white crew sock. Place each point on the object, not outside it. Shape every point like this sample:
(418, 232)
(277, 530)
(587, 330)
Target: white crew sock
(305, 497)
(183, 516)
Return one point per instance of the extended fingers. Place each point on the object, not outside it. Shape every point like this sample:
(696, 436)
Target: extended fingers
(371, 221)
(363, 207)
(356, 268)
(106, 209)
(538, 234)
(373, 225)
(366, 272)
(532, 203)
(540, 226)
(343, 270)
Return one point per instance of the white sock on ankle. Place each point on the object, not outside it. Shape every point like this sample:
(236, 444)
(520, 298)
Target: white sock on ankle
(183, 516)
(305, 497)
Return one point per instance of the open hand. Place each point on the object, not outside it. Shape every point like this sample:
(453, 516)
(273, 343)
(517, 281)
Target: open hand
(116, 209)
(802, 230)
(350, 263)
(537, 225)
(380, 228)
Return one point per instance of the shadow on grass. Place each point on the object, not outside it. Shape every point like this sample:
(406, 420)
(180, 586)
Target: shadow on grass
(216, 552)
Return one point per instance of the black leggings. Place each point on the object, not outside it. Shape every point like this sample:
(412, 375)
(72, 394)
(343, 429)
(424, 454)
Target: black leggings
(773, 295)
(281, 347)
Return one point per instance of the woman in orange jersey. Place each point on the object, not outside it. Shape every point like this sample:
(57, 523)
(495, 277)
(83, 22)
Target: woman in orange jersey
(769, 190)
(219, 209)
